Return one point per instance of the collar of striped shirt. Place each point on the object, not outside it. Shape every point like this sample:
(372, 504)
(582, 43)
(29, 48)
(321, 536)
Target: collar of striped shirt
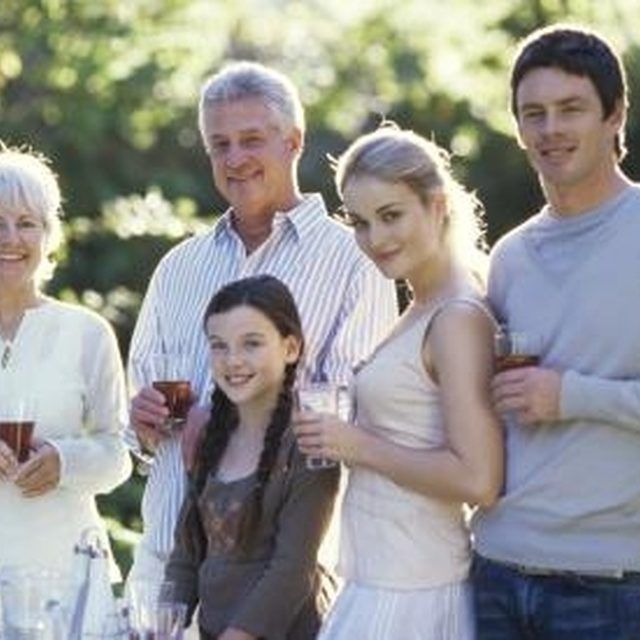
(303, 218)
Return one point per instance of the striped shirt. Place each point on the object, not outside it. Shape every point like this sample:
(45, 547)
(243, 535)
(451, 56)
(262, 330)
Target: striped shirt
(346, 307)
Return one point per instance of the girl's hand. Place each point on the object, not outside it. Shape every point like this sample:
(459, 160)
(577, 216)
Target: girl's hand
(40, 473)
(8, 462)
(235, 634)
(322, 435)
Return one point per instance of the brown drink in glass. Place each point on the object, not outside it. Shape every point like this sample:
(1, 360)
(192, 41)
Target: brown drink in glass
(177, 394)
(515, 349)
(17, 435)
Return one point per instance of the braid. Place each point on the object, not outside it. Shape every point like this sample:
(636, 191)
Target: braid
(222, 422)
(280, 420)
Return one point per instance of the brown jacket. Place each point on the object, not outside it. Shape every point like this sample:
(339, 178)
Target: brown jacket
(276, 590)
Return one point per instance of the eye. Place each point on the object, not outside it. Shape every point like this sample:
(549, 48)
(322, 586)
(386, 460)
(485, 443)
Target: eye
(252, 141)
(352, 220)
(390, 216)
(252, 343)
(217, 346)
(532, 114)
(27, 224)
(218, 146)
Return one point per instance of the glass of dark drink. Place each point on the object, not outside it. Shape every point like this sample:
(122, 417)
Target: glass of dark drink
(170, 375)
(17, 422)
(328, 398)
(515, 349)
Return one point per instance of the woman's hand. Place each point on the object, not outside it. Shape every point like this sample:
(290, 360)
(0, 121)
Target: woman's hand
(8, 462)
(40, 473)
(321, 435)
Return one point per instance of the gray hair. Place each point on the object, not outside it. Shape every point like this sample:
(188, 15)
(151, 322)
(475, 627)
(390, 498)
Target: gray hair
(395, 155)
(28, 183)
(244, 80)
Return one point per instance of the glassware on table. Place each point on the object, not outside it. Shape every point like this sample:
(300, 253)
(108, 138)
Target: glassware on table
(17, 421)
(322, 397)
(153, 612)
(36, 604)
(515, 349)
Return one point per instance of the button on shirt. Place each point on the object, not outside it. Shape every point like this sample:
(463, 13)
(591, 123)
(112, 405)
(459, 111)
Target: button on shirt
(345, 304)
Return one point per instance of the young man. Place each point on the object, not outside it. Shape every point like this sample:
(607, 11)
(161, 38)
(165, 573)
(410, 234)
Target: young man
(252, 125)
(559, 556)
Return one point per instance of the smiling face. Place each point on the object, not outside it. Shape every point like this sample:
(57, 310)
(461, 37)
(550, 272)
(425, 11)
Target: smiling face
(252, 158)
(23, 240)
(395, 228)
(561, 126)
(249, 356)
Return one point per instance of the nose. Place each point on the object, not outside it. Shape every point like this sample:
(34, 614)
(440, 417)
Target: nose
(551, 123)
(375, 236)
(235, 156)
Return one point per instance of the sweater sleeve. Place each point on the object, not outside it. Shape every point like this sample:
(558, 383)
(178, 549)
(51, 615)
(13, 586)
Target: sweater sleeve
(97, 461)
(616, 402)
(183, 565)
(272, 605)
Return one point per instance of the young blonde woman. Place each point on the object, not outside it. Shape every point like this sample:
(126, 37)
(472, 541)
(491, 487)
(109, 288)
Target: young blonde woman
(425, 439)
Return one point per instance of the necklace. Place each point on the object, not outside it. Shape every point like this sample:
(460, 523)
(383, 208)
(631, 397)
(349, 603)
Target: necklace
(6, 356)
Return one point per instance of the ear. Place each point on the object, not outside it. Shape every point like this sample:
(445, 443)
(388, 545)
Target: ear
(618, 117)
(516, 126)
(292, 349)
(295, 141)
(438, 206)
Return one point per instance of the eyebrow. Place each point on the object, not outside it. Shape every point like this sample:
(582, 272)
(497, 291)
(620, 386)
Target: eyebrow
(561, 102)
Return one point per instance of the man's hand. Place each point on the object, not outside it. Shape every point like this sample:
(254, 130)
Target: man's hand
(532, 393)
(40, 473)
(235, 634)
(148, 416)
(192, 434)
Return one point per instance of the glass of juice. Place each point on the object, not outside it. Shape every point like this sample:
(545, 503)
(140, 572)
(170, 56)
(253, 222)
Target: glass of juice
(170, 376)
(515, 349)
(17, 422)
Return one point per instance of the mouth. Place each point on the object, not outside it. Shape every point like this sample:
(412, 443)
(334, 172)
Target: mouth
(385, 256)
(11, 257)
(557, 154)
(238, 380)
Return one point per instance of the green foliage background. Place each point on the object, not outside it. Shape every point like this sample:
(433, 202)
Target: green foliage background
(108, 89)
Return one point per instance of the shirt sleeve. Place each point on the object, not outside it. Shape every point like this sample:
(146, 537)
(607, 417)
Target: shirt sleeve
(270, 608)
(147, 339)
(616, 402)
(97, 461)
(369, 311)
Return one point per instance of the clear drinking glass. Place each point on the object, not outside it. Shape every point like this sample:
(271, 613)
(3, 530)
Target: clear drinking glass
(515, 349)
(328, 398)
(153, 611)
(17, 421)
(170, 376)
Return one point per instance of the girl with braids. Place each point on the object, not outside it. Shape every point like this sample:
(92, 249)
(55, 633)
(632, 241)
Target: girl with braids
(253, 520)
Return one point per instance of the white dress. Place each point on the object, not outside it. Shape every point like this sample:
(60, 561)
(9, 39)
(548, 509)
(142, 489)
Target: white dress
(67, 358)
(404, 556)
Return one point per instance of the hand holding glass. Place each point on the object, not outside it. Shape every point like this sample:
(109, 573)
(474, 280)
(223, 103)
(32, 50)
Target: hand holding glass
(324, 398)
(169, 372)
(17, 421)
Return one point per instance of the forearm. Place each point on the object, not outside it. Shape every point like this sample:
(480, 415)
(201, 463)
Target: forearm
(439, 473)
(92, 464)
(615, 402)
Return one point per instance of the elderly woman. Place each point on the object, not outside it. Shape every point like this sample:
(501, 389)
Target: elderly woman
(66, 360)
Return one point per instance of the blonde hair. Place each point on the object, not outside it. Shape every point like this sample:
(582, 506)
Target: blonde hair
(396, 155)
(28, 183)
